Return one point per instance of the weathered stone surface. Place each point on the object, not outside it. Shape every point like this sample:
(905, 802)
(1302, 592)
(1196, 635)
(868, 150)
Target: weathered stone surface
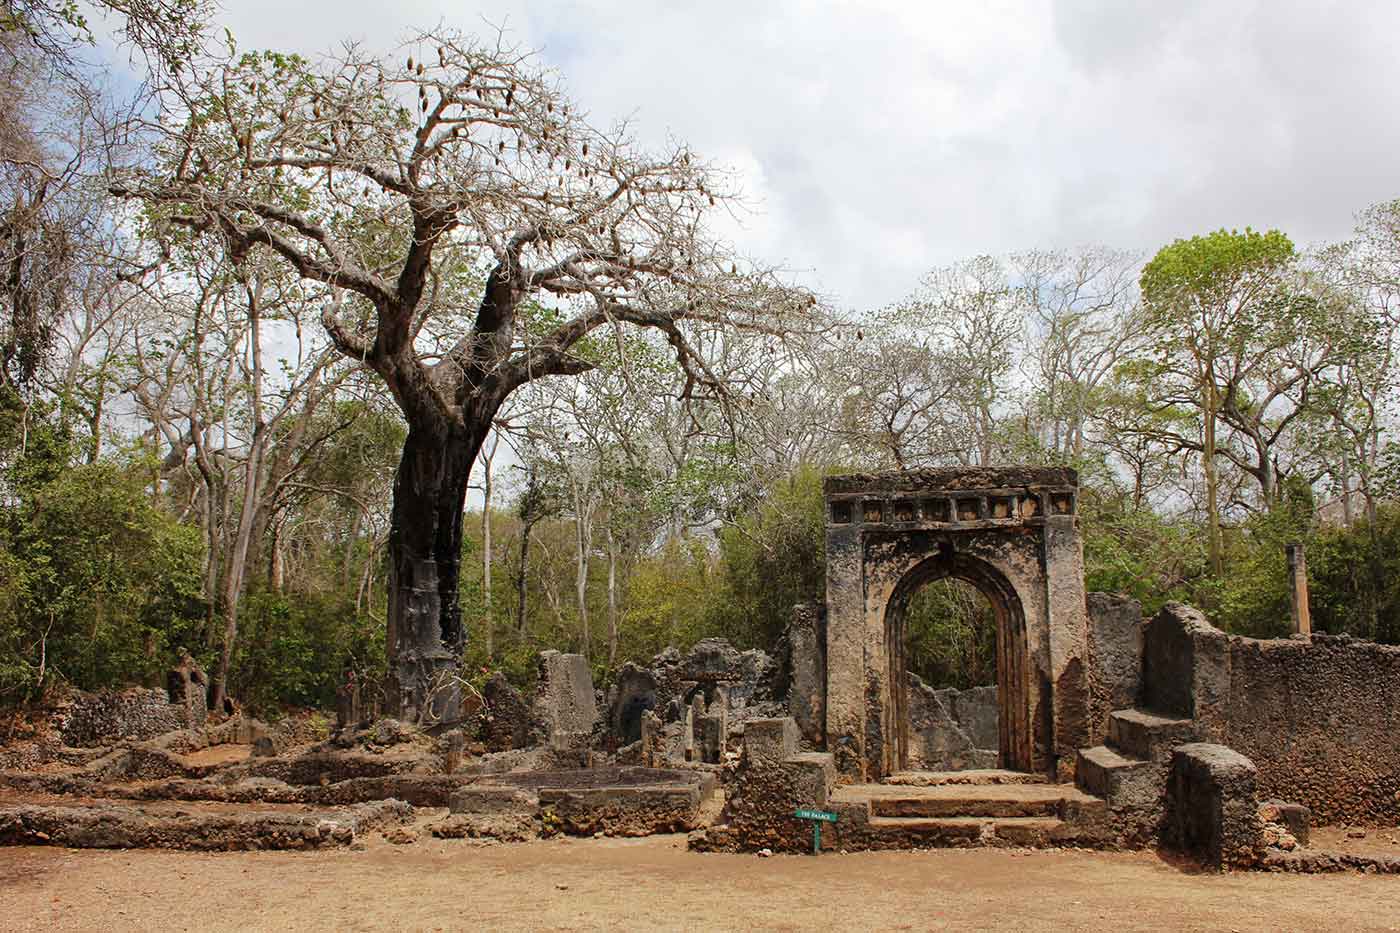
(806, 696)
(507, 721)
(493, 798)
(564, 701)
(1295, 817)
(613, 801)
(1115, 651)
(105, 718)
(1315, 715)
(770, 739)
(634, 693)
(1186, 668)
(188, 687)
(710, 660)
(109, 826)
(938, 739)
(1213, 807)
(969, 479)
(765, 791)
(1313, 862)
(975, 710)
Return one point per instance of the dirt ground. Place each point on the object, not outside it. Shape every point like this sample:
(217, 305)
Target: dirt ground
(655, 884)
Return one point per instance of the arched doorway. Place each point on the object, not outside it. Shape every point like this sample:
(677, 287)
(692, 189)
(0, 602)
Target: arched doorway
(1011, 531)
(1014, 737)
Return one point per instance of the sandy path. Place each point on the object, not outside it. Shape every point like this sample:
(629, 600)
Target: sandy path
(654, 884)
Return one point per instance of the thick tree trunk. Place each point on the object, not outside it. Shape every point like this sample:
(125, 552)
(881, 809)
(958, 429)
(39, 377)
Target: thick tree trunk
(425, 637)
(487, 622)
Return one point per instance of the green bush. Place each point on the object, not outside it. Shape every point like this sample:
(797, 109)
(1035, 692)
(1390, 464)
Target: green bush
(102, 585)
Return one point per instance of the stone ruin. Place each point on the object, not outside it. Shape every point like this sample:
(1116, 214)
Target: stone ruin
(1111, 730)
(112, 769)
(1104, 729)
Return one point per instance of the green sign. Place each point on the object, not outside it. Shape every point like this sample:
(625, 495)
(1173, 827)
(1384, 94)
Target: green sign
(816, 815)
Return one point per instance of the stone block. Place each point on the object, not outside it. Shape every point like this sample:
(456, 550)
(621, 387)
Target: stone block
(565, 700)
(711, 660)
(1213, 807)
(1148, 736)
(770, 739)
(1124, 783)
(811, 775)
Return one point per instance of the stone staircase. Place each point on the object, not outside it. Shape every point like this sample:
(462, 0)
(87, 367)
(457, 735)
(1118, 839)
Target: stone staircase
(967, 808)
(1130, 772)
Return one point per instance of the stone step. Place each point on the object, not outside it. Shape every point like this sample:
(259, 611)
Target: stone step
(964, 831)
(977, 802)
(1141, 734)
(1119, 780)
(975, 777)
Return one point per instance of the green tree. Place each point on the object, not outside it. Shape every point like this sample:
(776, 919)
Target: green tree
(1209, 303)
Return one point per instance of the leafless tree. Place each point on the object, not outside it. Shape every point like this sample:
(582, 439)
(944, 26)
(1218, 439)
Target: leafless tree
(391, 183)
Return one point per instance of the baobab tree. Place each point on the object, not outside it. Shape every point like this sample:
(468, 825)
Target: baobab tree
(471, 232)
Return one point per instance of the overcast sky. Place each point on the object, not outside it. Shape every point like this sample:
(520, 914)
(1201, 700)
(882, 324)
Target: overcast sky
(877, 141)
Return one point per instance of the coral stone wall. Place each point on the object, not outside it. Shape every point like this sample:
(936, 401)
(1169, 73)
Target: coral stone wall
(90, 719)
(1319, 716)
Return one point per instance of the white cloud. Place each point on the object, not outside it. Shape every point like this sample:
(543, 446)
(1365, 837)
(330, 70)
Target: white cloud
(884, 139)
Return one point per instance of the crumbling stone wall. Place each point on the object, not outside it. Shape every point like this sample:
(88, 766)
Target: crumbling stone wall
(951, 730)
(1316, 715)
(713, 687)
(89, 719)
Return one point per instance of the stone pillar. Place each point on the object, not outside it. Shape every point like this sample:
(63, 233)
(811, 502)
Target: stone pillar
(188, 688)
(845, 650)
(454, 745)
(807, 688)
(565, 701)
(347, 702)
(1068, 636)
(1298, 589)
(712, 728)
(688, 733)
(653, 742)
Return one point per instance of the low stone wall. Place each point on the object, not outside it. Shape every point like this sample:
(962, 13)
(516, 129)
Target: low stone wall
(104, 826)
(1317, 716)
(88, 719)
(772, 781)
(612, 801)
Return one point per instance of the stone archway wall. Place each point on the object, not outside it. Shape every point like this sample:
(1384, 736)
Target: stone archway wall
(1014, 530)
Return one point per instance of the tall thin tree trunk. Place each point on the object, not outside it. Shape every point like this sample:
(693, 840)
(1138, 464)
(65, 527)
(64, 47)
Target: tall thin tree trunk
(612, 598)
(237, 564)
(1213, 543)
(522, 579)
(583, 534)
